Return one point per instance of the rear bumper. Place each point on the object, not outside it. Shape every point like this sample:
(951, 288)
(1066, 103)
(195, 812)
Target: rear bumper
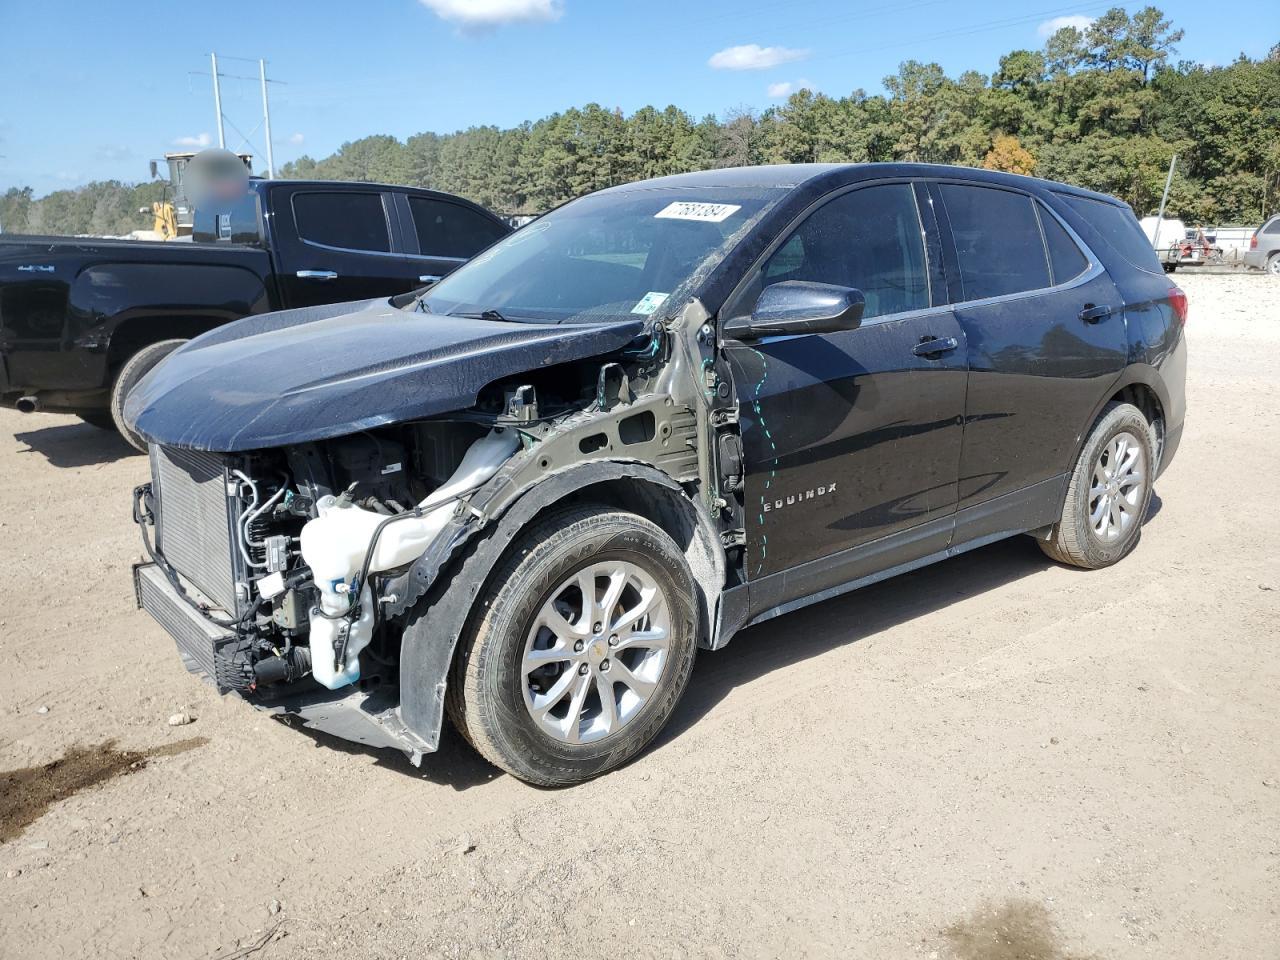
(350, 714)
(1256, 259)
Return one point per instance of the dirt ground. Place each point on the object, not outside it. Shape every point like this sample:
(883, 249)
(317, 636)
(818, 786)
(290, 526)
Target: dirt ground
(995, 757)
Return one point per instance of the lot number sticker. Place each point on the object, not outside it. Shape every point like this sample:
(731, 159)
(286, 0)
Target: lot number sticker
(650, 302)
(691, 210)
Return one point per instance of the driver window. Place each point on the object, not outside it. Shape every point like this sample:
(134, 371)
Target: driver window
(869, 239)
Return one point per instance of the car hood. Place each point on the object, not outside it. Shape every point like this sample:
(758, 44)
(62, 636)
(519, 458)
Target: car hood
(319, 372)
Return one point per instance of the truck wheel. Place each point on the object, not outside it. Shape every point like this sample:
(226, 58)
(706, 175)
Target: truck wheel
(101, 419)
(135, 368)
(1109, 491)
(579, 649)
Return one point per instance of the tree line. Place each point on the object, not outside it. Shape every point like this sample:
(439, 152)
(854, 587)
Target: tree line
(1104, 108)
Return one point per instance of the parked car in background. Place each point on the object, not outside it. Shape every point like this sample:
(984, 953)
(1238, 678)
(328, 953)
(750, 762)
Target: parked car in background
(655, 415)
(83, 320)
(1264, 247)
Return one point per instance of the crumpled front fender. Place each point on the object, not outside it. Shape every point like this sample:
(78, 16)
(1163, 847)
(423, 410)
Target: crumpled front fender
(435, 624)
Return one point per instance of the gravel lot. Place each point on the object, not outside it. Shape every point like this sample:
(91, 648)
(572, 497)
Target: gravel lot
(994, 757)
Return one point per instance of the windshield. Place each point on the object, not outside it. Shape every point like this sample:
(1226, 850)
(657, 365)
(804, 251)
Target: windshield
(605, 256)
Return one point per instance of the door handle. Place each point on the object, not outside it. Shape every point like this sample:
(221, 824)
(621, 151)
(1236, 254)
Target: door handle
(430, 278)
(317, 275)
(1095, 313)
(933, 347)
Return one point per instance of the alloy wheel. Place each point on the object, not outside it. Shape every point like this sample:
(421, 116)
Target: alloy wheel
(596, 651)
(1116, 494)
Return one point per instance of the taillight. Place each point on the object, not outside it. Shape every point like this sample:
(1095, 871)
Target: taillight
(1253, 242)
(1178, 300)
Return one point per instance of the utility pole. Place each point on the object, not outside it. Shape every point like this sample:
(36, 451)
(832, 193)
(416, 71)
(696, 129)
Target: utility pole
(266, 117)
(263, 80)
(217, 101)
(1155, 237)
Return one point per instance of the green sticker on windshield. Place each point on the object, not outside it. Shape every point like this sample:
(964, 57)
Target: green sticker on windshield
(650, 302)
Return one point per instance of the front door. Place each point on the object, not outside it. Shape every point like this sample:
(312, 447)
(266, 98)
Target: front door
(852, 436)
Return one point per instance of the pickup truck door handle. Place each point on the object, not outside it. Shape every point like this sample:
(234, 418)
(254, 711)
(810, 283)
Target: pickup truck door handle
(932, 347)
(1095, 313)
(430, 278)
(317, 275)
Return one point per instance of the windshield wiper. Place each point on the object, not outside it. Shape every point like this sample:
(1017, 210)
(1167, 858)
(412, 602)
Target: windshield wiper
(491, 315)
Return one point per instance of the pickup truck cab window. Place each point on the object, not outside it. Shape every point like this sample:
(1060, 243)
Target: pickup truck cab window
(447, 229)
(351, 221)
(986, 224)
(241, 225)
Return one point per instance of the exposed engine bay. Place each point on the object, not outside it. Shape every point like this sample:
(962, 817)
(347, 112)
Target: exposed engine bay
(330, 544)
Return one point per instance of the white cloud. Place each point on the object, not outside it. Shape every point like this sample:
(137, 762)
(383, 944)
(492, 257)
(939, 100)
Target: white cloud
(296, 138)
(494, 13)
(786, 88)
(1077, 20)
(752, 56)
(200, 140)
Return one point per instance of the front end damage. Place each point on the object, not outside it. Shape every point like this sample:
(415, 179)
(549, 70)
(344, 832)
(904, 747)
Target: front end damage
(330, 579)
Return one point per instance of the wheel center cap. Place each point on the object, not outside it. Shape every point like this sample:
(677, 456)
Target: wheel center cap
(597, 650)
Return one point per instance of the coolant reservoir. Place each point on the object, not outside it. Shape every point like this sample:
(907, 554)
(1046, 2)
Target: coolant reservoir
(335, 542)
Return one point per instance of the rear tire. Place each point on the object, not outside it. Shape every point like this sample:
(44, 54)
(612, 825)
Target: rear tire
(135, 368)
(529, 683)
(1273, 264)
(1109, 491)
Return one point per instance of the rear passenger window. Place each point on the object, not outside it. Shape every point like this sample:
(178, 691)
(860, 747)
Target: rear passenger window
(997, 241)
(451, 230)
(1065, 259)
(1272, 228)
(354, 221)
(1118, 226)
(869, 239)
(240, 225)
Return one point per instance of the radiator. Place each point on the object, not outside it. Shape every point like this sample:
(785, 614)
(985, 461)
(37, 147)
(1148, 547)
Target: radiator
(193, 530)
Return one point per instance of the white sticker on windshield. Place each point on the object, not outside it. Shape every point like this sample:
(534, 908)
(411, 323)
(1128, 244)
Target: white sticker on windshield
(690, 210)
(650, 302)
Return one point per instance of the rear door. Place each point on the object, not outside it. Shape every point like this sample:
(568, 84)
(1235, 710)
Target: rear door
(852, 436)
(334, 244)
(1045, 330)
(442, 234)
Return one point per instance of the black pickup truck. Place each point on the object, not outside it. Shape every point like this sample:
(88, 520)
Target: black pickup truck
(82, 320)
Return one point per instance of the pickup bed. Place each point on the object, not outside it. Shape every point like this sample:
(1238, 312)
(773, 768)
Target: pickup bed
(82, 320)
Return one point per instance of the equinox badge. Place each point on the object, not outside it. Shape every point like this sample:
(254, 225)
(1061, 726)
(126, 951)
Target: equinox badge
(792, 499)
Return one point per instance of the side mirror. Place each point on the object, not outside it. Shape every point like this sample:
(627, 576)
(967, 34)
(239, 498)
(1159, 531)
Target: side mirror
(799, 306)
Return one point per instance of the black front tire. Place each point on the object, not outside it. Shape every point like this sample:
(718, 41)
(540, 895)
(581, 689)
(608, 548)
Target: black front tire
(487, 688)
(1073, 539)
(137, 367)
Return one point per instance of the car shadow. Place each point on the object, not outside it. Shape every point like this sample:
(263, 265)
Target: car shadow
(76, 445)
(454, 764)
(765, 648)
(816, 629)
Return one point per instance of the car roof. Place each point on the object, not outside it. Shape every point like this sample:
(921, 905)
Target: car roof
(791, 175)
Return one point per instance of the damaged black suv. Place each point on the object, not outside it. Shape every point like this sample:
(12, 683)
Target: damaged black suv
(529, 493)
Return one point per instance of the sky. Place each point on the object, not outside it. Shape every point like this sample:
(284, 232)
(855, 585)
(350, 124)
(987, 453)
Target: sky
(92, 90)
